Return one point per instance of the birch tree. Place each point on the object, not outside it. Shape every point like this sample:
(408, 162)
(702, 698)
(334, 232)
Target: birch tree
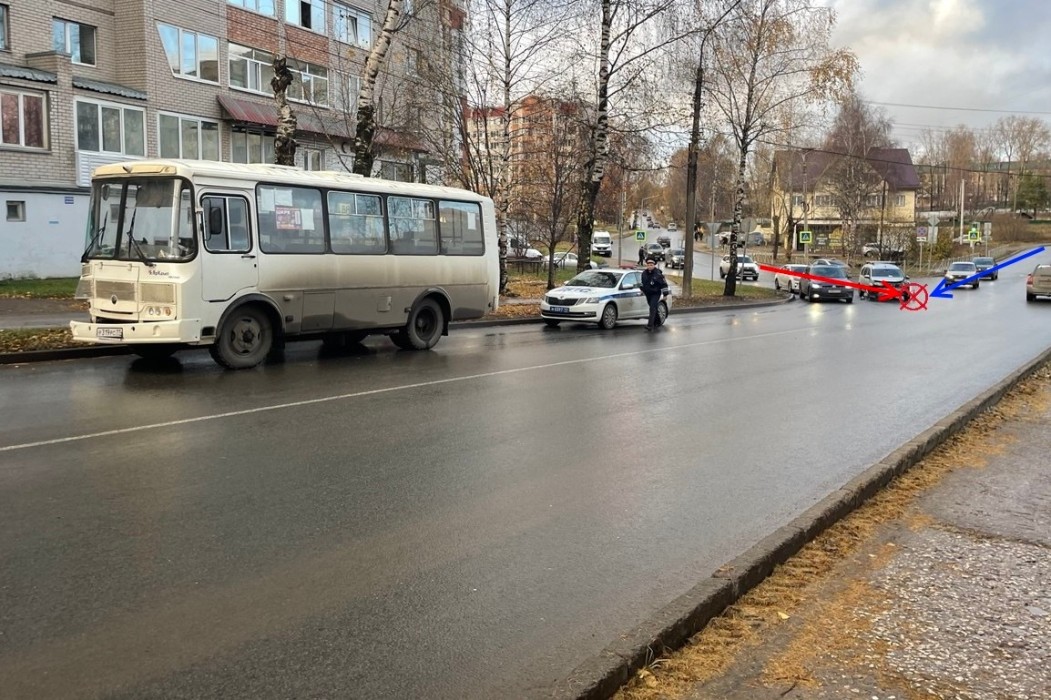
(772, 56)
(628, 43)
(285, 141)
(365, 127)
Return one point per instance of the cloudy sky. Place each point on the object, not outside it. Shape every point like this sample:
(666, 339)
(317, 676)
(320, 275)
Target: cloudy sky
(957, 61)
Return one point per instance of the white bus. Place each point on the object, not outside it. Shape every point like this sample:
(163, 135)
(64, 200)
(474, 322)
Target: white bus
(241, 257)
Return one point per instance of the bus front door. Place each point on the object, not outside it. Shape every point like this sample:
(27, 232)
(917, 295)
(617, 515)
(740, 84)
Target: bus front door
(229, 262)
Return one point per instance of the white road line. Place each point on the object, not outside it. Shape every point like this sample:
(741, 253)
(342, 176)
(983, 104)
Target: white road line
(373, 392)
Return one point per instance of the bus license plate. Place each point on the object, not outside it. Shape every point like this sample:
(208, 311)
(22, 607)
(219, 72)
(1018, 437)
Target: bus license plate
(560, 309)
(110, 333)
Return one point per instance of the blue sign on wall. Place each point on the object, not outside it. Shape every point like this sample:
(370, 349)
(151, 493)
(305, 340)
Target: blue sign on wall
(69, 199)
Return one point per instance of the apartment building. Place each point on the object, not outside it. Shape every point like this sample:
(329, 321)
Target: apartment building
(805, 191)
(89, 82)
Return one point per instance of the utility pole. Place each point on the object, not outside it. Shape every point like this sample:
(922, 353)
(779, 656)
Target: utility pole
(806, 223)
(620, 223)
(961, 209)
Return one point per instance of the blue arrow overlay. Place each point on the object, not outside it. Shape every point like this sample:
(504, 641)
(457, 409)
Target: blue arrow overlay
(942, 290)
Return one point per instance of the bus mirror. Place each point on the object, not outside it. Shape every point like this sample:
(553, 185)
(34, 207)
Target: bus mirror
(215, 221)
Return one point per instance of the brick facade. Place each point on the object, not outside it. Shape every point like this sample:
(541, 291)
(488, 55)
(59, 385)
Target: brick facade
(132, 71)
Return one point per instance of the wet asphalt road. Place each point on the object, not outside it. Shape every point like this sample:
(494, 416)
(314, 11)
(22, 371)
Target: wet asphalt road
(471, 522)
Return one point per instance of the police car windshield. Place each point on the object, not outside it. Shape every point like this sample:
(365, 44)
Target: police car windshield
(595, 278)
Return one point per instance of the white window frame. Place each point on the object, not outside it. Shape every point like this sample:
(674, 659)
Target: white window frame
(200, 134)
(254, 64)
(123, 136)
(22, 94)
(354, 86)
(196, 50)
(256, 6)
(347, 19)
(899, 200)
(16, 210)
(5, 37)
(313, 159)
(294, 14)
(304, 80)
(67, 41)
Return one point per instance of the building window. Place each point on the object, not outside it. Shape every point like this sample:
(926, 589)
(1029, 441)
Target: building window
(311, 83)
(187, 137)
(74, 38)
(353, 90)
(353, 26)
(399, 172)
(312, 159)
(823, 200)
(4, 39)
(251, 147)
(16, 210)
(251, 69)
(22, 119)
(110, 128)
(190, 55)
(263, 7)
(412, 62)
(899, 200)
(797, 200)
(309, 14)
(874, 200)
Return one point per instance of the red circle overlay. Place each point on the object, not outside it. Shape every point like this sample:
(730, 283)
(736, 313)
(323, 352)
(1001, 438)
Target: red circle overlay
(917, 297)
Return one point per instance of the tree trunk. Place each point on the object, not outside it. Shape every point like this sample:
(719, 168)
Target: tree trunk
(365, 130)
(691, 179)
(595, 168)
(285, 141)
(730, 287)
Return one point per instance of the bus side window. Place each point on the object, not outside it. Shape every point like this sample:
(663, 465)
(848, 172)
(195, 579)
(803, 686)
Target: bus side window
(240, 241)
(214, 224)
(226, 225)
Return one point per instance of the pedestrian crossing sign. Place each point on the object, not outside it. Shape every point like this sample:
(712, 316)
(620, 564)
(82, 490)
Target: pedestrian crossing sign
(806, 237)
(640, 235)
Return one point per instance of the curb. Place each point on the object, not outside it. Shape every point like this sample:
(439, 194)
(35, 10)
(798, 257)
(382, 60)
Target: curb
(89, 351)
(672, 626)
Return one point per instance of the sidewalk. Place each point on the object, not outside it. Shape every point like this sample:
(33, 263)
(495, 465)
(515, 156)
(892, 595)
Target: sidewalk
(936, 588)
(39, 313)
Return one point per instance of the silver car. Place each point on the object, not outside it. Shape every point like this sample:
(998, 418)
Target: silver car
(881, 274)
(1038, 283)
(600, 296)
(783, 280)
(959, 271)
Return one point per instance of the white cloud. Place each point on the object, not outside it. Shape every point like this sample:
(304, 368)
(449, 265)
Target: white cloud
(979, 54)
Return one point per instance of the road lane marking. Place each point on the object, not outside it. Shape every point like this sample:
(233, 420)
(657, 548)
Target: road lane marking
(385, 390)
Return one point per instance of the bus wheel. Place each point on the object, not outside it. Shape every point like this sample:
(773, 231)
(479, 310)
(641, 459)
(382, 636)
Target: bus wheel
(155, 352)
(244, 340)
(424, 328)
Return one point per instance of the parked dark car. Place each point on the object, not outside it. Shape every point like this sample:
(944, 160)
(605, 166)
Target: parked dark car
(985, 264)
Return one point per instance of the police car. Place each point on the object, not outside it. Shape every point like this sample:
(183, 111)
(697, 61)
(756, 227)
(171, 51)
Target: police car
(600, 296)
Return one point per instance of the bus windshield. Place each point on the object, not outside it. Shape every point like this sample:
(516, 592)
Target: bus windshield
(143, 219)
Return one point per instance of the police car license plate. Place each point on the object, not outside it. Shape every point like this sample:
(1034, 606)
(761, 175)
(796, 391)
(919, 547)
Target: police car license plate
(110, 332)
(560, 309)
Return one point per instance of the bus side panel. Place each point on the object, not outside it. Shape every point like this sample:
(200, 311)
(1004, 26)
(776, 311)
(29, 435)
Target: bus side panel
(303, 288)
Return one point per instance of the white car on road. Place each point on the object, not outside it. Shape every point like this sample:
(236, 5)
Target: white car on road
(783, 280)
(600, 296)
(746, 268)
